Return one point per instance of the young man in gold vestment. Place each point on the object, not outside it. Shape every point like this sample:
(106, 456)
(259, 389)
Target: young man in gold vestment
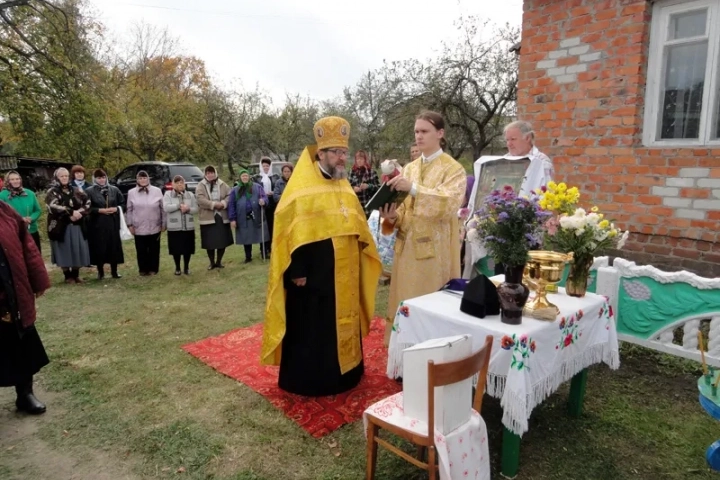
(324, 273)
(427, 249)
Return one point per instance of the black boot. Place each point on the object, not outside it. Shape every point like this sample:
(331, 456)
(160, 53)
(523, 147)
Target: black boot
(113, 271)
(101, 272)
(75, 272)
(26, 401)
(220, 255)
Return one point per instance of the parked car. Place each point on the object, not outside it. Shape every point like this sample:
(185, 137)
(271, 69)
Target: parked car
(275, 168)
(161, 175)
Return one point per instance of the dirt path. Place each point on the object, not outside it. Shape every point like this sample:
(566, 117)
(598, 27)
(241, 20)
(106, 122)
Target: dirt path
(24, 455)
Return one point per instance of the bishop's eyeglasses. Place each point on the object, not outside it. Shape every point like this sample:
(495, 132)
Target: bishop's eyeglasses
(339, 152)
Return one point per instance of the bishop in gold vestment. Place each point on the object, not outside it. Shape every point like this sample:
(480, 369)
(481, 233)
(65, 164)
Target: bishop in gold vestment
(314, 330)
(427, 249)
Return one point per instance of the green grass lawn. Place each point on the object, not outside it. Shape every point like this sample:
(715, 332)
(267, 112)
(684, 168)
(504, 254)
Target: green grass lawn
(123, 397)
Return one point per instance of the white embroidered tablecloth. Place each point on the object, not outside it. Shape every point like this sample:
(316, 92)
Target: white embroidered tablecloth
(528, 361)
(462, 453)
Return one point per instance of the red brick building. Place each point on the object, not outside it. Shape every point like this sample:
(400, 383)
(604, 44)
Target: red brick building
(624, 96)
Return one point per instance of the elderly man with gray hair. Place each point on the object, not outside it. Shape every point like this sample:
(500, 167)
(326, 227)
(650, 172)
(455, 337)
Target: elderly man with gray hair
(520, 141)
(524, 167)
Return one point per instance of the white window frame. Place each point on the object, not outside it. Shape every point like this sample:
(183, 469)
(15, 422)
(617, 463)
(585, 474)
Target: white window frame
(662, 10)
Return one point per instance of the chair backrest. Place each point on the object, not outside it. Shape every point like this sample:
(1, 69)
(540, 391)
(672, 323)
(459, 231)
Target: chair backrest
(447, 373)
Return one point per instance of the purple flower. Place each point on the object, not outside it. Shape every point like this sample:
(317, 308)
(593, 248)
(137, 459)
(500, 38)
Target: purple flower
(503, 216)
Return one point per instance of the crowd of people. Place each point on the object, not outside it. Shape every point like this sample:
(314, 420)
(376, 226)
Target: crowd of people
(310, 222)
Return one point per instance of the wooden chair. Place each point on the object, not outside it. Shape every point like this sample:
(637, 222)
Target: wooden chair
(438, 375)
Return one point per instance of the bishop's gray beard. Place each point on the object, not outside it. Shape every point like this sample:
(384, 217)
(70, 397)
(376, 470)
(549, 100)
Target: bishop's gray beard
(335, 173)
(338, 173)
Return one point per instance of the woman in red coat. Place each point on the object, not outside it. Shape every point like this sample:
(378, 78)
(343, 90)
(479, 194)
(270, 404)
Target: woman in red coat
(22, 278)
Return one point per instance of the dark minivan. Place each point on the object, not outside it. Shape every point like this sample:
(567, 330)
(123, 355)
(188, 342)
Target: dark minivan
(161, 175)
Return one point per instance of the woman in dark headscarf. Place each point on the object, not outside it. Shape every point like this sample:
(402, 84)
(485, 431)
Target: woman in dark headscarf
(280, 185)
(22, 278)
(104, 225)
(212, 197)
(67, 209)
(245, 210)
(24, 202)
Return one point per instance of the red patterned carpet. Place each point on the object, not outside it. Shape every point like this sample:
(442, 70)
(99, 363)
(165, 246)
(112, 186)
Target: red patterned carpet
(237, 355)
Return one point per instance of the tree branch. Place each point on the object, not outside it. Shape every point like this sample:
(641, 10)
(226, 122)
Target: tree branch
(13, 3)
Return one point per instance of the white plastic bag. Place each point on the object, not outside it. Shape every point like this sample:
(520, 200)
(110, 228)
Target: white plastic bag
(124, 230)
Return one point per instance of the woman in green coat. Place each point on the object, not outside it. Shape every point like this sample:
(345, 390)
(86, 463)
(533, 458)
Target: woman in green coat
(24, 202)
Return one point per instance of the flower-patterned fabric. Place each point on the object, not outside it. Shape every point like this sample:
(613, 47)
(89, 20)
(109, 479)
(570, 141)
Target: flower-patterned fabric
(385, 243)
(528, 361)
(462, 454)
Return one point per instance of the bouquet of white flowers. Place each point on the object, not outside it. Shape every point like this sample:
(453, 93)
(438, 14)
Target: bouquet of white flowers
(574, 230)
(584, 234)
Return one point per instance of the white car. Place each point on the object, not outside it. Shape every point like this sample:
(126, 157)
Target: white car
(275, 168)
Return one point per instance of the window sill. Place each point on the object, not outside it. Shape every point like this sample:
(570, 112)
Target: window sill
(676, 144)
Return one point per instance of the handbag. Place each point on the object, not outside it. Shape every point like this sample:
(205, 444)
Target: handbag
(124, 230)
(56, 227)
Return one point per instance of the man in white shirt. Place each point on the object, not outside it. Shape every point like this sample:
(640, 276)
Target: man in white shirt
(520, 141)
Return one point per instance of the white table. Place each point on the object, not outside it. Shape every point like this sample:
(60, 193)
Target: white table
(529, 361)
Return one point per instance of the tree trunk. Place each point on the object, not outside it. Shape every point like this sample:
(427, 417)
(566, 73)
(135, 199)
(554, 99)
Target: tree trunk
(477, 152)
(230, 167)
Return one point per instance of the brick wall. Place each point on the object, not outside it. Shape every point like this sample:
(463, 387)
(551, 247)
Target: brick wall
(582, 85)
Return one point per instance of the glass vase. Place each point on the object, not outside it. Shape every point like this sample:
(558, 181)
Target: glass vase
(513, 295)
(577, 280)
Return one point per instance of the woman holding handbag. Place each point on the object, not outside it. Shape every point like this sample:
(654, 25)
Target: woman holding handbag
(104, 225)
(67, 209)
(180, 206)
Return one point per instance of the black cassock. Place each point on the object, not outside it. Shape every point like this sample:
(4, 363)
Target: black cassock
(309, 364)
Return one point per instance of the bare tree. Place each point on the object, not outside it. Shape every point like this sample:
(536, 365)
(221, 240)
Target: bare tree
(373, 104)
(229, 117)
(288, 130)
(472, 83)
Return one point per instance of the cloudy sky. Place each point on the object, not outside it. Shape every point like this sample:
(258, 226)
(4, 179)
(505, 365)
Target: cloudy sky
(313, 48)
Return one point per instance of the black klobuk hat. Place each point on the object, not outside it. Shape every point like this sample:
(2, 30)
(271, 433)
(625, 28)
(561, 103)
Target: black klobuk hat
(480, 298)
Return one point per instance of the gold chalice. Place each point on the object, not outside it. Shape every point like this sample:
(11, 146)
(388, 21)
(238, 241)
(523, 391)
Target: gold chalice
(545, 268)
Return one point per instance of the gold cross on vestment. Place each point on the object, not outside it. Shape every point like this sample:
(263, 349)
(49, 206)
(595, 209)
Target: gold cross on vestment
(343, 210)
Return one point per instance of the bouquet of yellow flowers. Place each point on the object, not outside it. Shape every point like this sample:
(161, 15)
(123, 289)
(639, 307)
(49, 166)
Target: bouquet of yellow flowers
(558, 198)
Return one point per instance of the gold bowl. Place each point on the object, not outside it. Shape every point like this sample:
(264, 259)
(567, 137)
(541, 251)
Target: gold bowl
(544, 269)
